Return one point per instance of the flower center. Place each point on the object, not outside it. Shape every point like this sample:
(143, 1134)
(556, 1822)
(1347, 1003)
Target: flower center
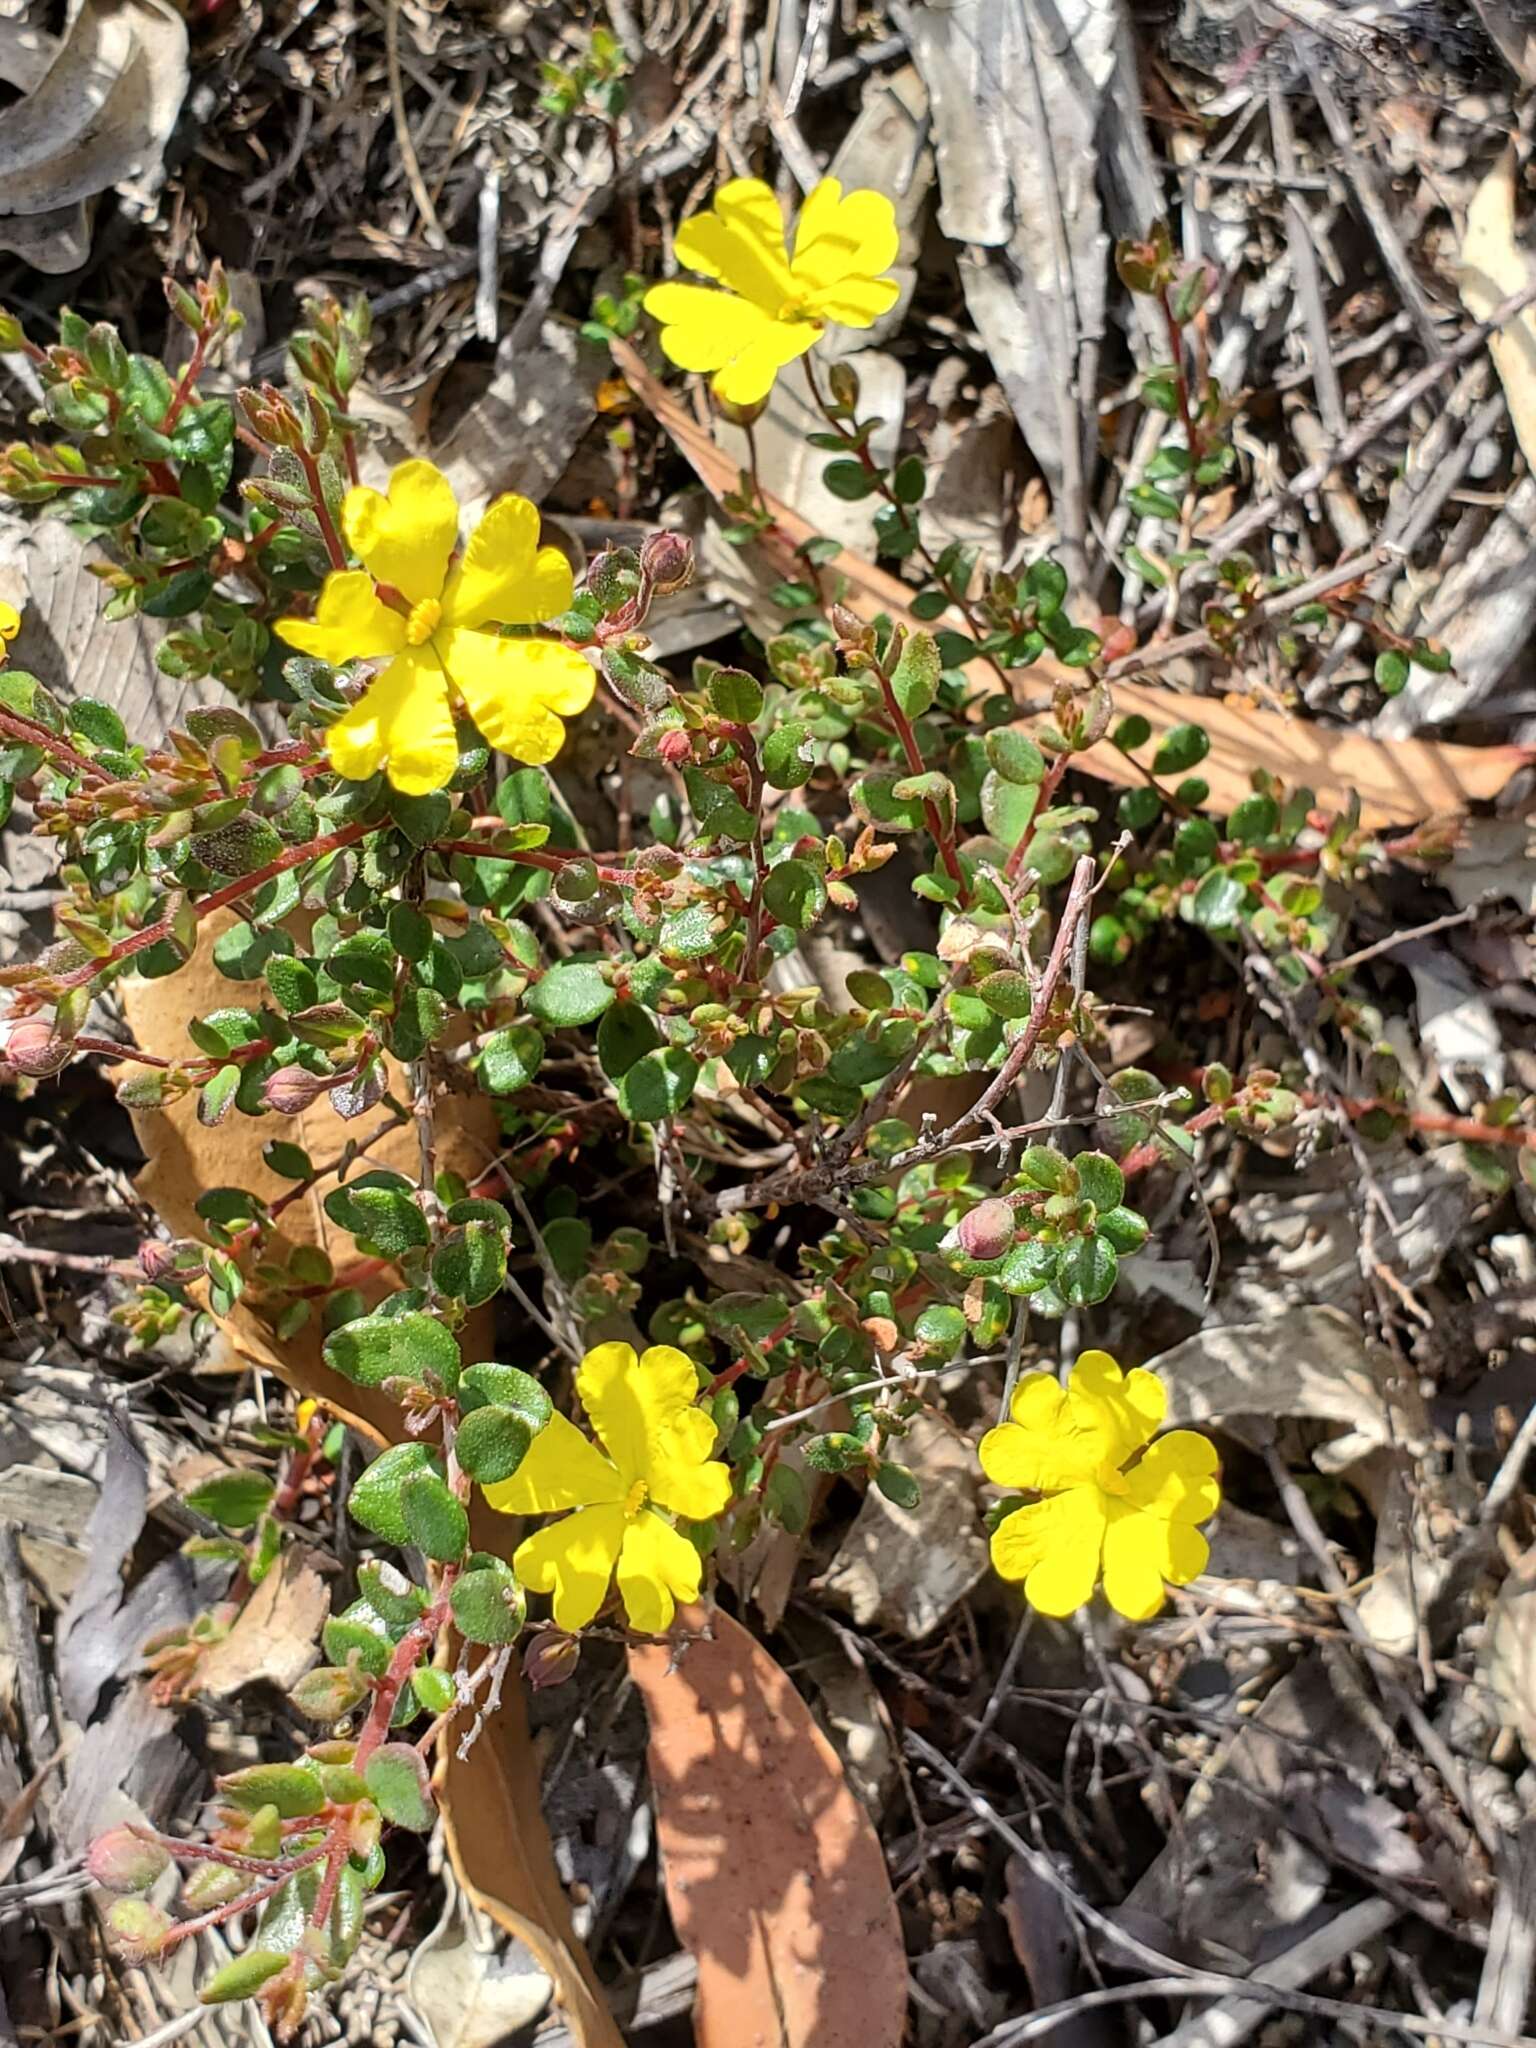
(1112, 1479)
(796, 307)
(423, 622)
(636, 1499)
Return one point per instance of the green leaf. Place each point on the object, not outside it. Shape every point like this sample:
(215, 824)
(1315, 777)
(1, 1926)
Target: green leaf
(422, 819)
(1029, 1267)
(295, 1789)
(492, 1443)
(898, 1485)
(915, 679)
(510, 1058)
(1126, 1229)
(789, 759)
(418, 1020)
(1254, 820)
(848, 480)
(659, 1085)
(435, 1520)
(376, 1348)
(488, 1605)
(1183, 747)
(1139, 809)
(909, 480)
(387, 1218)
(1044, 1167)
(292, 983)
(1391, 672)
(409, 932)
(375, 1498)
(1014, 755)
(397, 1781)
(504, 1386)
(1086, 1271)
(625, 1034)
(243, 1977)
(1218, 903)
(471, 1263)
(1006, 993)
(238, 848)
(795, 894)
(717, 810)
(232, 1499)
(1007, 805)
(735, 695)
(1099, 1179)
(572, 993)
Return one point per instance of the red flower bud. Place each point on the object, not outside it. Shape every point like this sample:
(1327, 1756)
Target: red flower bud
(124, 1861)
(675, 747)
(986, 1232)
(667, 561)
(291, 1089)
(32, 1048)
(550, 1659)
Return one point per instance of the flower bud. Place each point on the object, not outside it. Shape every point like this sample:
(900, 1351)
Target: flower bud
(32, 1048)
(675, 747)
(666, 559)
(137, 1928)
(550, 1659)
(124, 1861)
(291, 1089)
(987, 1231)
(740, 415)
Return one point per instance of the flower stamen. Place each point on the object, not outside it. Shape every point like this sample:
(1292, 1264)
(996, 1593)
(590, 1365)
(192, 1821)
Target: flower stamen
(635, 1499)
(423, 622)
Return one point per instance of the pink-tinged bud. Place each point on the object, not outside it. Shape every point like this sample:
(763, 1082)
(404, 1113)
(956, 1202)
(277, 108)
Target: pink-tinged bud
(667, 560)
(986, 1232)
(137, 1928)
(675, 747)
(292, 1089)
(156, 1259)
(124, 1861)
(550, 1659)
(32, 1048)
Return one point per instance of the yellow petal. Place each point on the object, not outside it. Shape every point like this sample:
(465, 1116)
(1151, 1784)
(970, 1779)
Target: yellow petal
(703, 329)
(574, 1560)
(350, 622)
(748, 377)
(1054, 1546)
(842, 237)
(505, 575)
(740, 241)
(405, 538)
(1176, 1480)
(401, 724)
(684, 1477)
(10, 621)
(1041, 1448)
(517, 690)
(657, 1568)
(1121, 1411)
(563, 1469)
(1140, 1553)
(635, 1402)
(856, 301)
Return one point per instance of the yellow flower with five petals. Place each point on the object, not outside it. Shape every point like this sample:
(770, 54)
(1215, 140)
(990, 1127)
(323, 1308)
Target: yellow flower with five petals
(435, 620)
(1102, 1506)
(775, 305)
(655, 1460)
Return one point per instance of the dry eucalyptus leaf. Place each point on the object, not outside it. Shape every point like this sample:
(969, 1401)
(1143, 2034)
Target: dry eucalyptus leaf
(469, 1995)
(98, 113)
(1508, 1659)
(1493, 265)
(276, 1634)
(1312, 1362)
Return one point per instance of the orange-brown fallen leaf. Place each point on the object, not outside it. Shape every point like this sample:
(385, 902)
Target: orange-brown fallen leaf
(774, 1874)
(1400, 782)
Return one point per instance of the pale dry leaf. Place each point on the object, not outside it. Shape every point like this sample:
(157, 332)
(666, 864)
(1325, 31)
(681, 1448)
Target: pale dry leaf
(469, 1995)
(1312, 1362)
(99, 115)
(775, 1876)
(275, 1635)
(908, 1568)
(1493, 266)
(1507, 1660)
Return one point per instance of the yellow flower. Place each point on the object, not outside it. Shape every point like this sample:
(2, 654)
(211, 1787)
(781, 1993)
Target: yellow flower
(774, 306)
(436, 626)
(10, 626)
(658, 1446)
(1074, 1445)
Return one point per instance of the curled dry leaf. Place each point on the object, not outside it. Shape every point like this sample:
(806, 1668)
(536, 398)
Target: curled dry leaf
(99, 107)
(1493, 265)
(1312, 1362)
(1399, 782)
(774, 1874)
